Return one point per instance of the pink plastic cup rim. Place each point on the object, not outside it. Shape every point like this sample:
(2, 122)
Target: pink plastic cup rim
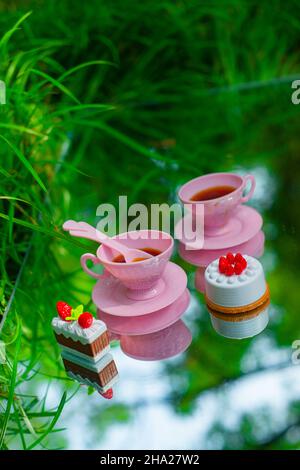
(166, 252)
(209, 201)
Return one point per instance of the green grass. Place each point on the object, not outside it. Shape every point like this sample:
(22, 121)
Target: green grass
(111, 98)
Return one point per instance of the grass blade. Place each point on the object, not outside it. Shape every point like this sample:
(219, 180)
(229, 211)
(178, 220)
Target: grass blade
(25, 162)
(125, 140)
(21, 433)
(11, 391)
(85, 64)
(22, 129)
(57, 84)
(81, 107)
(52, 424)
(5, 38)
(44, 230)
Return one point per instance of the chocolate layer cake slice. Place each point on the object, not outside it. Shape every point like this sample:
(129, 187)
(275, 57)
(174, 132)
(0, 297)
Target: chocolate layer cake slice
(100, 375)
(91, 343)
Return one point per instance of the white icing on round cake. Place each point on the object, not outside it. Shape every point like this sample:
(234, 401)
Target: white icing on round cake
(237, 290)
(74, 331)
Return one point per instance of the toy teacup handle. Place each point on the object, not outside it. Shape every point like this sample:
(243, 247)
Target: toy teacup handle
(251, 191)
(95, 260)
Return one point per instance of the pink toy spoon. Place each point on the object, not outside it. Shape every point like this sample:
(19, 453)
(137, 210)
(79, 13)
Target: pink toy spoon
(84, 230)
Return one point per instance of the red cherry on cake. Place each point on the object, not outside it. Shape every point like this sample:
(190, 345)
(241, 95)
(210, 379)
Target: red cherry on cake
(108, 394)
(238, 268)
(229, 270)
(64, 310)
(230, 258)
(85, 320)
(223, 263)
(232, 264)
(238, 258)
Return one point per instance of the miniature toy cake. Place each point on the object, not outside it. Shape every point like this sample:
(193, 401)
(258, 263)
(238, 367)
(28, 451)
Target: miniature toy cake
(237, 295)
(84, 344)
(91, 341)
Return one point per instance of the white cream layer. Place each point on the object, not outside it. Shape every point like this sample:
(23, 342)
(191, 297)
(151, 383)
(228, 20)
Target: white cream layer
(74, 331)
(236, 290)
(95, 366)
(89, 359)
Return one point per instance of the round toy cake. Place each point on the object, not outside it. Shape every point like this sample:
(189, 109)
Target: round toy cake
(237, 295)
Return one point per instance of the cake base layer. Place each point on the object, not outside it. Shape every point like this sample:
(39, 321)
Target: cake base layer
(102, 377)
(242, 316)
(243, 329)
(243, 325)
(238, 310)
(93, 349)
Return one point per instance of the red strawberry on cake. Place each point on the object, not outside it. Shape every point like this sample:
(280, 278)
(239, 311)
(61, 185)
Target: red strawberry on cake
(85, 320)
(64, 310)
(232, 264)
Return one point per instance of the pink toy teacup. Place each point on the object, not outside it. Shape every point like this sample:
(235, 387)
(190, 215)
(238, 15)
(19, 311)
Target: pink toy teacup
(220, 194)
(142, 278)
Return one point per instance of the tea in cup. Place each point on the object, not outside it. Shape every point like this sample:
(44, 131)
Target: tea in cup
(142, 276)
(220, 194)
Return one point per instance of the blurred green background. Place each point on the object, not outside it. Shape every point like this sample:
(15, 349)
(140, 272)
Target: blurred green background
(127, 97)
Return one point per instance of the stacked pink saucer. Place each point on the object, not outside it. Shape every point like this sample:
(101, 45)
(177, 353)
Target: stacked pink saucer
(142, 302)
(143, 325)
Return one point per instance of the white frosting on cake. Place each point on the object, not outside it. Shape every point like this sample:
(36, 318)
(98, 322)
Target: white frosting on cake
(88, 359)
(237, 290)
(74, 331)
(95, 366)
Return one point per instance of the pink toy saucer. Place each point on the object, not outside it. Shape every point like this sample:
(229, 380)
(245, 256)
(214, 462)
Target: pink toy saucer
(110, 295)
(252, 247)
(200, 279)
(241, 227)
(163, 344)
(113, 336)
(146, 324)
